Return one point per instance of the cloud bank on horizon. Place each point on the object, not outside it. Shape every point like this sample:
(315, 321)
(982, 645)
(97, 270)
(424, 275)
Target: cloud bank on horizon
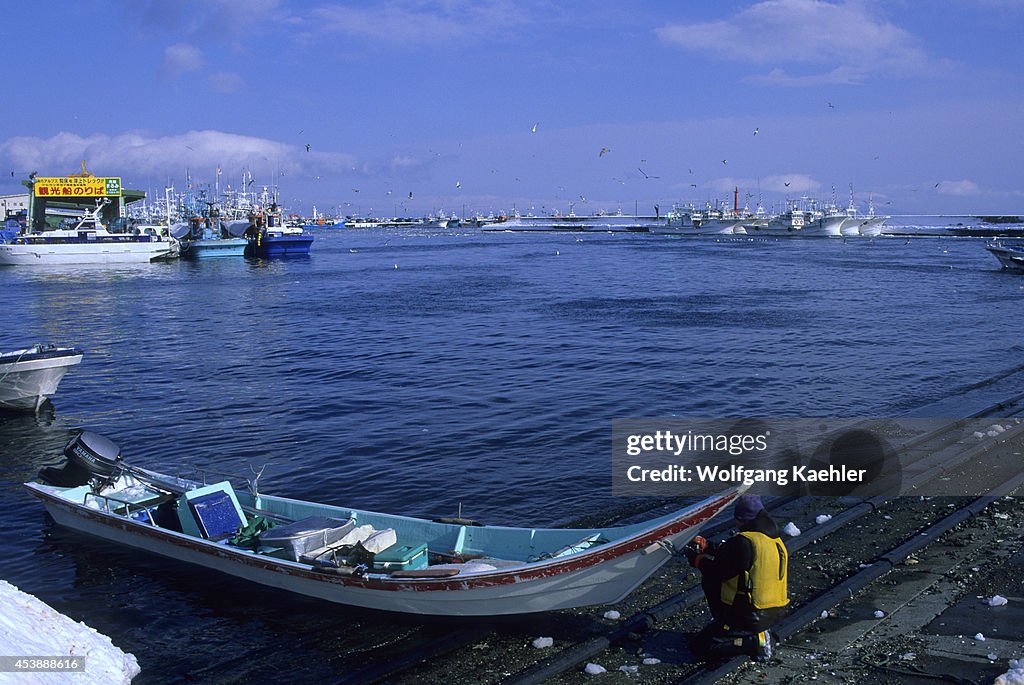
(490, 106)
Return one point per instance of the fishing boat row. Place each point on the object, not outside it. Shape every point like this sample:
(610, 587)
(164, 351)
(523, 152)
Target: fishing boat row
(84, 219)
(801, 218)
(444, 567)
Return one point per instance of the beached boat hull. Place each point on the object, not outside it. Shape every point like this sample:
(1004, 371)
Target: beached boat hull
(602, 574)
(28, 377)
(84, 253)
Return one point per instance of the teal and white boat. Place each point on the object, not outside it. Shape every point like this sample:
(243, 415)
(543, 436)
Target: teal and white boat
(361, 558)
(206, 237)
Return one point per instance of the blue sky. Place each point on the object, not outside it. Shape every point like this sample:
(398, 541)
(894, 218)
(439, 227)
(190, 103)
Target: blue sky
(486, 106)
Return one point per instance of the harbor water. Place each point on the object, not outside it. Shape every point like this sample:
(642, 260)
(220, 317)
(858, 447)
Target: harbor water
(439, 373)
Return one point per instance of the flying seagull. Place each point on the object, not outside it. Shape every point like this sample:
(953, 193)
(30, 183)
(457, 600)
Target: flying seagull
(645, 173)
(534, 129)
(307, 147)
(756, 131)
(786, 183)
(603, 151)
(410, 194)
(725, 161)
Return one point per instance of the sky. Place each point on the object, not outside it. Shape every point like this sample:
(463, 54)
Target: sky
(413, 107)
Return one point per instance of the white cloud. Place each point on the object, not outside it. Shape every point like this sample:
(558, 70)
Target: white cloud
(143, 156)
(226, 82)
(960, 188)
(842, 42)
(792, 185)
(410, 21)
(181, 58)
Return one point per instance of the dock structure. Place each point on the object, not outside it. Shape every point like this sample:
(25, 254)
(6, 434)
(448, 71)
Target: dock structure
(886, 584)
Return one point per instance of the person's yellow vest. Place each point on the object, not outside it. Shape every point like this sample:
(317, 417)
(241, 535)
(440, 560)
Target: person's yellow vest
(765, 583)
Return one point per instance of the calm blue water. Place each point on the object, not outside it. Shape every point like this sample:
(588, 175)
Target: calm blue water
(412, 373)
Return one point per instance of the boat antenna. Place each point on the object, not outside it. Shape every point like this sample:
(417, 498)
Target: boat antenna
(253, 483)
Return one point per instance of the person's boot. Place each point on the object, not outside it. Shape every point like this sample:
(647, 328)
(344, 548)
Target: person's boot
(763, 647)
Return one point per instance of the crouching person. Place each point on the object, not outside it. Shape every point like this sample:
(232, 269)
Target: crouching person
(744, 581)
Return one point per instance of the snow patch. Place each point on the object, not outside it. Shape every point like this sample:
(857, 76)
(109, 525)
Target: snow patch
(30, 627)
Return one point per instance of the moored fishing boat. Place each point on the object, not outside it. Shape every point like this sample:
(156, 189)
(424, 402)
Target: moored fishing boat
(206, 237)
(79, 219)
(354, 557)
(29, 376)
(269, 235)
(85, 241)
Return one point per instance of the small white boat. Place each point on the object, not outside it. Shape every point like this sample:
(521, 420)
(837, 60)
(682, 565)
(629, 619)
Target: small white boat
(29, 376)
(1011, 257)
(360, 558)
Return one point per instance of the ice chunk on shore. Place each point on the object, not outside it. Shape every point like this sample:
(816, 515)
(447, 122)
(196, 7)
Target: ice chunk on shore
(822, 518)
(879, 614)
(28, 626)
(595, 669)
(651, 661)
(997, 601)
(629, 670)
(612, 615)
(979, 637)
(791, 530)
(823, 614)
(542, 642)
(1015, 676)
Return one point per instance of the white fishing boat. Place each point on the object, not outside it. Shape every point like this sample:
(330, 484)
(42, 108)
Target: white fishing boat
(701, 222)
(354, 557)
(1011, 257)
(714, 219)
(863, 225)
(29, 376)
(86, 241)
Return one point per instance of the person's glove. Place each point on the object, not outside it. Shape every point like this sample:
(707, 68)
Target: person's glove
(695, 550)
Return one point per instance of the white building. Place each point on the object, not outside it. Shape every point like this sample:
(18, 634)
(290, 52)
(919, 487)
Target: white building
(11, 204)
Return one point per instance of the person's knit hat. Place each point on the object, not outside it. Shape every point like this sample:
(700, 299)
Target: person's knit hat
(747, 508)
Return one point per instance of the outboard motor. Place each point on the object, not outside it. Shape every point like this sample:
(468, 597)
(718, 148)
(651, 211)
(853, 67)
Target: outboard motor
(89, 456)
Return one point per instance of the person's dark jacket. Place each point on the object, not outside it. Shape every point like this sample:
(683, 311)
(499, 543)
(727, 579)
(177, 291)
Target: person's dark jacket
(734, 556)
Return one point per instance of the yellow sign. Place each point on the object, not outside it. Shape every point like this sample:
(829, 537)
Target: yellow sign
(70, 186)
